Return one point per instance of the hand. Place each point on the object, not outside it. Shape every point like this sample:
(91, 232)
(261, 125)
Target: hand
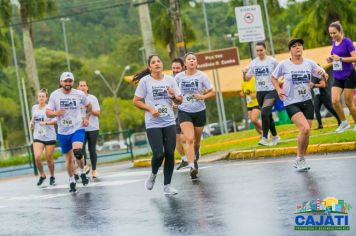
(311, 85)
(85, 122)
(154, 112)
(198, 96)
(60, 112)
(281, 95)
(170, 91)
(325, 76)
(329, 59)
(42, 123)
(335, 57)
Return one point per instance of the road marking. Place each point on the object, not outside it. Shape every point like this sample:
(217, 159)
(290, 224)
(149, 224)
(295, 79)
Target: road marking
(123, 174)
(98, 184)
(187, 169)
(3, 207)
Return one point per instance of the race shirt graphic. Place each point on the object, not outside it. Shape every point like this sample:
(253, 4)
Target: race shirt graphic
(300, 80)
(161, 93)
(262, 70)
(42, 132)
(189, 88)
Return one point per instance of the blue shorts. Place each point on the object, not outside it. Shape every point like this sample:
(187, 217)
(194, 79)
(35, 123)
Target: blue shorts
(65, 141)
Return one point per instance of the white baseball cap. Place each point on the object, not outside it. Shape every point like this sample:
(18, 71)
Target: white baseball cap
(66, 75)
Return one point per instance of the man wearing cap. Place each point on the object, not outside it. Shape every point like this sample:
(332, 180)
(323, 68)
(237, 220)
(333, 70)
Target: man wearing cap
(65, 103)
(296, 94)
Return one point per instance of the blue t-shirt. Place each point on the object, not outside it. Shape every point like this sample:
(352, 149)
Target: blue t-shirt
(190, 85)
(155, 94)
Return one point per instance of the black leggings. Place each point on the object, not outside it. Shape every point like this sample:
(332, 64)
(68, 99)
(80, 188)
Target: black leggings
(324, 99)
(90, 138)
(163, 143)
(266, 101)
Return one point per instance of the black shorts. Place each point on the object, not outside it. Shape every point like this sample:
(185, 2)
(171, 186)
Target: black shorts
(179, 131)
(306, 107)
(263, 95)
(197, 118)
(251, 108)
(349, 83)
(51, 142)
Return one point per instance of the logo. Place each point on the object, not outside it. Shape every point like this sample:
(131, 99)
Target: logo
(328, 214)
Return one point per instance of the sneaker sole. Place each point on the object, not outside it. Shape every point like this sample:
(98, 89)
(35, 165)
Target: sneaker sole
(194, 173)
(170, 193)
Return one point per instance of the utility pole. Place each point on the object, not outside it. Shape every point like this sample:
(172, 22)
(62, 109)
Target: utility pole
(174, 11)
(146, 27)
(63, 21)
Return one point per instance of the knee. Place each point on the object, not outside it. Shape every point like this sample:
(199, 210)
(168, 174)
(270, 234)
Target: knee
(159, 155)
(335, 101)
(190, 140)
(78, 153)
(265, 112)
(305, 130)
(349, 102)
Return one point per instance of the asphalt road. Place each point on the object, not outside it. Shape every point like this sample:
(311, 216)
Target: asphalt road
(230, 198)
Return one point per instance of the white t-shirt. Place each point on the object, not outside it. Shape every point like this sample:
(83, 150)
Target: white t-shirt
(155, 94)
(190, 85)
(71, 120)
(45, 132)
(93, 120)
(262, 70)
(296, 79)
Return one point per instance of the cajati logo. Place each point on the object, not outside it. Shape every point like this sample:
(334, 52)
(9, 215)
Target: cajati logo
(328, 214)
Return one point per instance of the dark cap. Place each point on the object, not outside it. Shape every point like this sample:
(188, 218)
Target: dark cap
(293, 41)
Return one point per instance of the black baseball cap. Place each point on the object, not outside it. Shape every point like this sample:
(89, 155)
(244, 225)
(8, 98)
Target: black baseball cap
(293, 41)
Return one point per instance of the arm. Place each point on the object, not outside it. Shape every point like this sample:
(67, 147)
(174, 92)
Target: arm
(51, 114)
(210, 93)
(278, 89)
(137, 101)
(95, 113)
(344, 59)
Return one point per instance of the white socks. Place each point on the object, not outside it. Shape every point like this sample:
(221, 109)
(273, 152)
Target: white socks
(184, 158)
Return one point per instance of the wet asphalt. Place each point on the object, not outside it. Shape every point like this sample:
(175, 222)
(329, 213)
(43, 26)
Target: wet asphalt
(229, 198)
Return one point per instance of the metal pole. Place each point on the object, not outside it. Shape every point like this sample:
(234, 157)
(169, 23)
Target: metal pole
(288, 32)
(252, 44)
(178, 29)
(27, 111)
(63, 20)
(206, 26)
(222, 106)
(269, 27)
(19, 85)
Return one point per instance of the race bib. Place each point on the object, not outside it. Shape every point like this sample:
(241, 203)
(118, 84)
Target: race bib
(248, 99)
(189, 98)
(337, 65)
(261, 84)
(67, 122)
(40, 131)
(301, 90)
(316, 91)
(163, 110)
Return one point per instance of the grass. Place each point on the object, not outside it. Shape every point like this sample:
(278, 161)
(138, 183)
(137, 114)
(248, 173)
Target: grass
(22, 160)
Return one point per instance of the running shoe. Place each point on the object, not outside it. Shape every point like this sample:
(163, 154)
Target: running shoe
(84, 178)
(342, 127)
(301, 165)
(168, 190)
(76, 177)
(40, 181)
(94, 174)
(193, 173)
(275, 140)
(150, 181)
(72, 188)
(182, 165)
(52, 181)
(263, 141)
(86, 169)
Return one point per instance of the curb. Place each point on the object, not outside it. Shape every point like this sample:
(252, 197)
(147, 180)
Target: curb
(270, 152)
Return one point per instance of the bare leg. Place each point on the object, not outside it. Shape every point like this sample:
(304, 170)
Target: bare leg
(38, 150)
(304, 127)
(49, 157)
(349, 97)
(335, 98)
(188, 132)
(254, 117)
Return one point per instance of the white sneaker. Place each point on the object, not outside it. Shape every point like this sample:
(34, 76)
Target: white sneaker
(342, 127)
(301, 165)
(150, 181)
(168, 190)
(275, 140)
(263, 141)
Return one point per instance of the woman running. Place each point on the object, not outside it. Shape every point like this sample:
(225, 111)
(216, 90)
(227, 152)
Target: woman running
(195, 87)
(343, 53)
(248, 91)
(262, 67)
(296, 94)
(92, 130)
(155, 95)
(44, 136)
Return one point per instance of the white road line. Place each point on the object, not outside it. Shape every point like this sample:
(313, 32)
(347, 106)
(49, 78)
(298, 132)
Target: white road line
(3, 207)
(97, 184)
(123, 174)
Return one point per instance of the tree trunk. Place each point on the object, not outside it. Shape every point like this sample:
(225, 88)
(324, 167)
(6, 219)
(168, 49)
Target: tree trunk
(146, 29)
(31, 67)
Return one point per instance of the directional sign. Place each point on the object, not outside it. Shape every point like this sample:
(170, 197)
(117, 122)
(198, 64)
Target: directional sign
(250, 24)
(218, 58)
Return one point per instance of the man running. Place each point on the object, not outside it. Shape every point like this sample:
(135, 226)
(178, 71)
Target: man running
(65, 103)
(262, 67)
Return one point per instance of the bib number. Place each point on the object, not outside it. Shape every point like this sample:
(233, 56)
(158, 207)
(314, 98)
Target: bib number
(67, 123)
(301, 90)
(163, 110)
(189, 98)
(337, 65)
(316, 91)
(40, 131)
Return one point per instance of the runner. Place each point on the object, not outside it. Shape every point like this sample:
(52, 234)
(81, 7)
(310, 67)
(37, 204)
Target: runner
(92, 130)
(177, 67)
(322, 97)
(65, 103)
(44, 136)
(195, 87)
(262, 67)
(158, 91)
(296, 94)
(248, 90)
(343, 53)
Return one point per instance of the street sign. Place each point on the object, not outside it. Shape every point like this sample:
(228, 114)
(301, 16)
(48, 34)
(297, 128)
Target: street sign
(250, 24)
(217, 59)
